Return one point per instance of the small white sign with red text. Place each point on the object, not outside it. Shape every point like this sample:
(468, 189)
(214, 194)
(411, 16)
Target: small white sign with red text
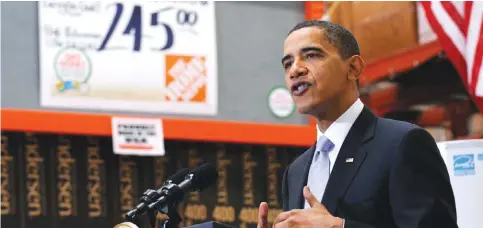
(137, 136)
(280, 102)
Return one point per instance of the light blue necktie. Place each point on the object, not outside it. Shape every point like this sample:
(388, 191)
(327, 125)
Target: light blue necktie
(320, 169)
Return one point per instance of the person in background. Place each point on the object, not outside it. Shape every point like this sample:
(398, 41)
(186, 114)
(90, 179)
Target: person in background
(362, 171)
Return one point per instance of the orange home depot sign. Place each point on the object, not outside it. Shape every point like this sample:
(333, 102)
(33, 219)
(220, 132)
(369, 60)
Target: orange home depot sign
(185, 78)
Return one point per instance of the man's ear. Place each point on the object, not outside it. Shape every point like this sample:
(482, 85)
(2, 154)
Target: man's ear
(356, 67)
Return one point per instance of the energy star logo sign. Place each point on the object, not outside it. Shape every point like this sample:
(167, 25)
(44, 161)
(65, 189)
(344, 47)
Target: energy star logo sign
(464, 165)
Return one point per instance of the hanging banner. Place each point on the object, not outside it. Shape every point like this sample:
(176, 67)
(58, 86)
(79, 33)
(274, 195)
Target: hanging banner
(151, 56)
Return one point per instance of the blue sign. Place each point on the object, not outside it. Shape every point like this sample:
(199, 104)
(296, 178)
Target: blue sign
(464, 164)
(480, 157)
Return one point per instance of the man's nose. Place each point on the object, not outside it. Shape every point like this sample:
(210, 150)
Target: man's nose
(297, 70)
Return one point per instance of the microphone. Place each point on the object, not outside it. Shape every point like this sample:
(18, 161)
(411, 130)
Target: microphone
(177, 177)
(152, 195)
(198, 179)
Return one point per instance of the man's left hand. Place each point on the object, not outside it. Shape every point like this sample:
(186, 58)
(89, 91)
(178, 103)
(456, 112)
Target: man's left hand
(315, 216)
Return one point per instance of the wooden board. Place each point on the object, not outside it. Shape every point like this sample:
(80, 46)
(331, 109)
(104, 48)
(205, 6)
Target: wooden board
(381, 28)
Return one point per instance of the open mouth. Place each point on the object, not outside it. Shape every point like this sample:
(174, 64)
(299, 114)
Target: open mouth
(299, 88)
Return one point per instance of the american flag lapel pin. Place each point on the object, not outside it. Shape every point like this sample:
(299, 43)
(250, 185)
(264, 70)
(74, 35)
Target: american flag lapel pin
(349, 160)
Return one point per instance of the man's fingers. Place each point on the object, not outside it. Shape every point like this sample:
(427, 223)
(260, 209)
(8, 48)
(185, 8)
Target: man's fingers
(291, 218)
(282, 217)
(312, 200)
(310, 197)
(263, 215)
(283, 224)
(286, 215)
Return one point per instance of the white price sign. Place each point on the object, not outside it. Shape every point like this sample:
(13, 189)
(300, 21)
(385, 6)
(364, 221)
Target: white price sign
(144, 56)
(137, 136)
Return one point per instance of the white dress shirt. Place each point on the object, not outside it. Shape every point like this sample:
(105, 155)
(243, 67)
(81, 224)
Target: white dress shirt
(338, 130)
(337, 133)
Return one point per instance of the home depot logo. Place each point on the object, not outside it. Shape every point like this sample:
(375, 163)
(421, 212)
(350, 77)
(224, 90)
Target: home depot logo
(185, 78)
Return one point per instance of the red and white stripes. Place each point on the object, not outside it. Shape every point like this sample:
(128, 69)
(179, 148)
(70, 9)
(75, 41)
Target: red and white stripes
(459, 27)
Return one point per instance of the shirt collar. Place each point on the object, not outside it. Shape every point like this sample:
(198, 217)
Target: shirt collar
(339, 129)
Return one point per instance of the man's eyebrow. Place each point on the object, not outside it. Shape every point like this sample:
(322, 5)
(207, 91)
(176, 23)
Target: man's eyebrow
(303, 50)
(285, 58)
(307, 49)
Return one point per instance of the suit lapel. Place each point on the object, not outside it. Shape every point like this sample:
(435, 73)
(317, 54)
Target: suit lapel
(301, 175)
(353, 147)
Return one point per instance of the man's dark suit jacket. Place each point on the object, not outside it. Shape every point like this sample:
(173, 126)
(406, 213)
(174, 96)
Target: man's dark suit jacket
(397, 178)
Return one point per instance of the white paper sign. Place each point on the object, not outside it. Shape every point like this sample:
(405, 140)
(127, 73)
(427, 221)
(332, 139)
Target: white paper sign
(137, 136)
(143, 56)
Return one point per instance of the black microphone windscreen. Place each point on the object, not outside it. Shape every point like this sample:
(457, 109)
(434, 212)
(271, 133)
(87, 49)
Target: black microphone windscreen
(178, 176)
(203, 176)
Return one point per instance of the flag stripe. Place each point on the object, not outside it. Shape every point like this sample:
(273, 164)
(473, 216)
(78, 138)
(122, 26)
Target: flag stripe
(454, 15)
(475, 69)
(473, 41)
(479, 86)
(462, 39)
(450, 27)
(451, 50)
(468, 8)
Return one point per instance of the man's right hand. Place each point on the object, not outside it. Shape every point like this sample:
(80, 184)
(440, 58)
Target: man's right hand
(263, 215)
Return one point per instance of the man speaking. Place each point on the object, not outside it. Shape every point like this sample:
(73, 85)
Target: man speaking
(363, 171)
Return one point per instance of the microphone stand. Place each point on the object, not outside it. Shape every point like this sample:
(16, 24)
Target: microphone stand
(173, 218)
(169, 205)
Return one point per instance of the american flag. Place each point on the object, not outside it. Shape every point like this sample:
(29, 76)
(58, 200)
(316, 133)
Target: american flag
(460, 33)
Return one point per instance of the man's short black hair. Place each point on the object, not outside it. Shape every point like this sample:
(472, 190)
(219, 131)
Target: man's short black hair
(337, 35)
